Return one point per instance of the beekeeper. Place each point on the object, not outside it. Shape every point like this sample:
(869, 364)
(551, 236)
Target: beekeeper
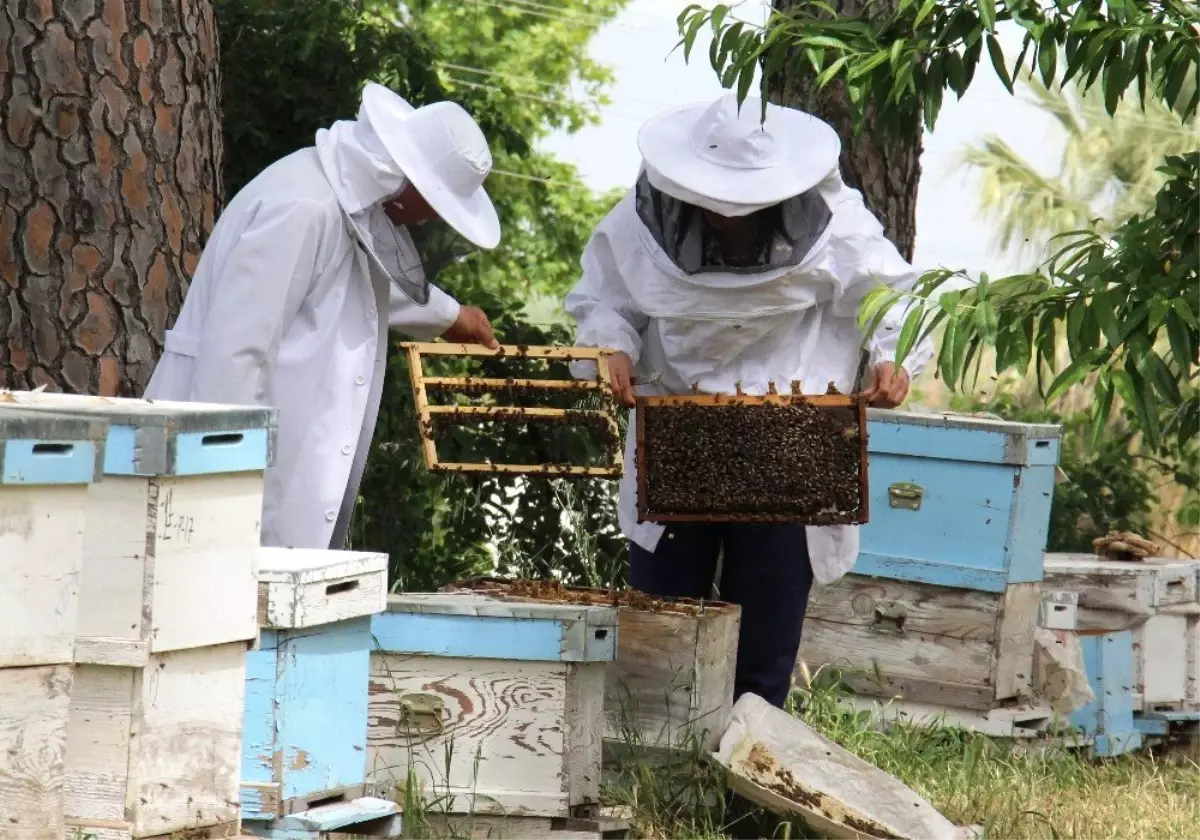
(304, 273)
(740, 256)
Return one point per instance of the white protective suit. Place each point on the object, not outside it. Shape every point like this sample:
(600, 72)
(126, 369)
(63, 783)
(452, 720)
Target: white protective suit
(290, 308)
(717, 328)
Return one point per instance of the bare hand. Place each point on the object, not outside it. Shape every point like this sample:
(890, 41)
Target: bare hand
(890, 387)
(471, 327)
(620, 377)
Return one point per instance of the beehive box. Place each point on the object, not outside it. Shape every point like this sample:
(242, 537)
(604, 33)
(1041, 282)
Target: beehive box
(46, 465)
(772, 458)
(958, 501)
(172, 530)
(305, 736)
(496, 706)
(671, 685)
(954, 647)
(156, 750)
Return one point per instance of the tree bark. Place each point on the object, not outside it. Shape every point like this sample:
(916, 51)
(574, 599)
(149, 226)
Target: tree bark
(110, 179)
(884, 169)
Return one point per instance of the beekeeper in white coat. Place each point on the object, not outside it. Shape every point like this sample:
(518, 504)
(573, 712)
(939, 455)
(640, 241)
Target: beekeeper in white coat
(740, 256)
(304, 273)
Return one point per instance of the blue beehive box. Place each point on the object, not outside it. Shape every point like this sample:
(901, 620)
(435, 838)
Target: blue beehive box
(495, 704)
(958, 501)
(304, 741)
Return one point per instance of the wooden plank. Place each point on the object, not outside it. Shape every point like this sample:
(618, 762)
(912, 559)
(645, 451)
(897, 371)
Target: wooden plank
(894, 606)
(112, 604)
(204, 535)
(483, 827)
(716, 661)
(421, 402)
(547, 470)
(498, 744)
(584, 748)
(1161, 659)
(487, 383)
(914, 666)
(1015, 628)
(99, 738)
(823, 400)
(41, 554)
(518, 351)
(34, 705)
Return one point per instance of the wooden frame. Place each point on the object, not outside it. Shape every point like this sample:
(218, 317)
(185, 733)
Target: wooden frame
(858, 403)
(426, 412)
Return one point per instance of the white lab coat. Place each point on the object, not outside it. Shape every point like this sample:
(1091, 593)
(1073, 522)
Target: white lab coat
(289, 308)
(717, 329)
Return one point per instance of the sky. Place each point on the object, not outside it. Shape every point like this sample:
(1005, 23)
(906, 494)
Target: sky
(637, 47)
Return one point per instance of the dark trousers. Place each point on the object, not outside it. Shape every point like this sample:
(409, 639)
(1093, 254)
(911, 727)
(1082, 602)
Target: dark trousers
(765, 570)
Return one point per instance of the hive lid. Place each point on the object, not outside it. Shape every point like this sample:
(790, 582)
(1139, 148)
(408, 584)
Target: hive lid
(152, 437)
(484, 605)
(962, 437)
(38, 448)
(313, 565)
(1093, 564)
(971, 422)
(777, 761)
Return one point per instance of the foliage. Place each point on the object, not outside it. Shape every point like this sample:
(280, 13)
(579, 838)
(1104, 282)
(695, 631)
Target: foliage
(294, 66)
(1107, 174)
(1122, 298)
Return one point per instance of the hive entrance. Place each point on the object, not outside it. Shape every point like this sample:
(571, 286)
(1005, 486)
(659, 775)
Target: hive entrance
(484, 404)
(772, 458)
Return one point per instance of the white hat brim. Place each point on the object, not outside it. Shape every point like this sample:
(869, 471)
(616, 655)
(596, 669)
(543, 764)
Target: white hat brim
(810, 152)
(473, 216)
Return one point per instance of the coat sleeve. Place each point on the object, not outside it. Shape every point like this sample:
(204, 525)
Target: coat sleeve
(264, 276)
(601, 305)
(867, 259)
(423, 323)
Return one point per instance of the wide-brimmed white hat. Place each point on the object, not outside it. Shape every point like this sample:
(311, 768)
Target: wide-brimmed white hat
(729, 156)
(442, 151)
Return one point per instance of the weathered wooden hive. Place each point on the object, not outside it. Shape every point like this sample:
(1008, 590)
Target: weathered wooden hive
(305, 738)
(772, 458)
(943, 602)
(671, 684)
(167, 610)
(46, 466)
(496, 706)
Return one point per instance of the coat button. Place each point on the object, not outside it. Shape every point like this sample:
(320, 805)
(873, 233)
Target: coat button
(346, 449)
(360, 380)
(330, 516)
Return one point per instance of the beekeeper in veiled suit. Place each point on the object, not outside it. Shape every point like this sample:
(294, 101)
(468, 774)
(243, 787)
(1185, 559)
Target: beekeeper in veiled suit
(740, 256)
(304, 273)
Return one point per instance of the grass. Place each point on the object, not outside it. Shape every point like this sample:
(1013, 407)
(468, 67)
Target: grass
(972, 779)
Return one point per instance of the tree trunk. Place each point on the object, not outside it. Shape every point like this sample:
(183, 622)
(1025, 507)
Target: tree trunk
(110, 165)
(884, 170)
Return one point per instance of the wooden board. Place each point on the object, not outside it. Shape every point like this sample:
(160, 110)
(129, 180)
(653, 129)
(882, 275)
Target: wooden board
(157, 747)
(483, 827)
(41, 553)
(521, 738)
(715, 497)
(894, 606)
(33, 735)
(314, 587)
(1012, 666)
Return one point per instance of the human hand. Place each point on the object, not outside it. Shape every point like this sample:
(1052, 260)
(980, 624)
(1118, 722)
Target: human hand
(471, 327)
(620, 377)
(890, 387)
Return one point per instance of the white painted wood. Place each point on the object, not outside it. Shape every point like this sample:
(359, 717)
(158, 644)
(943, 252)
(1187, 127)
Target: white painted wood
(506, 743)
(308, 587)
(160, 746)
(1161, 659)
(169, 564)
(1012, 673)
(1136, 588)
(1024, 721)
(33, 734)
(41, 553)
(481, 827)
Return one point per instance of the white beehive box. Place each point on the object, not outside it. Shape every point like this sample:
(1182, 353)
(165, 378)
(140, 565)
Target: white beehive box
(156, 751)
(300, 588)
(497, 706)
(46, 465)
(173, 529)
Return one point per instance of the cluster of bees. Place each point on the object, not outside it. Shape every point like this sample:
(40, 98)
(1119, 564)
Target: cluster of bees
(763, 462)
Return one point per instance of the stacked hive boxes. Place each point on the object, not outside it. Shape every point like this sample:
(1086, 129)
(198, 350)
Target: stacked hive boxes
(167, 609)
(46, 466)
(304, 744)
(943, 603)
(495, 707)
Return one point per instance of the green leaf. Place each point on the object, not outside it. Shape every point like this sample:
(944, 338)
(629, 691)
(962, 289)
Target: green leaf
(860, 70)
(828, 74)
(908, 334)
(1101, 409)
(946, 351)
(987, 14)
(1102, 308)
(1182, 347)
(824, 41)
(689, 37)
(926, 7)
(1047, 58)
(745, 79)
(986, 321)
(894, 54)
(997, 55)
(1115, 80)
(956, 74)
(1075, 373)
(718, 17)
(962, 337)
(1181, 307)
(875, 303)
